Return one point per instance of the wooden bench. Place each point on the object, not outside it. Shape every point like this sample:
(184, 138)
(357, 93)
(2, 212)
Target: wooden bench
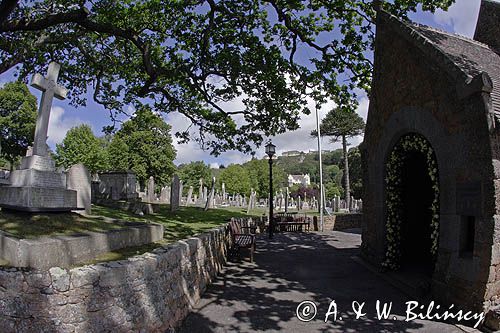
(292, 223)
(242, 240)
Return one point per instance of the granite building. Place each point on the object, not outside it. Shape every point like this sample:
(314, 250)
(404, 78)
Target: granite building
(431, 158)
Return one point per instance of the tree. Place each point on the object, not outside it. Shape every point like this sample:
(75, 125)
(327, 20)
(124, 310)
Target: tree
(192, 56)
(191, 173)
(236, 179)
(81, 146)
(144, 145)
(342, 123)
(17, 121)
(118, 154)
(258, 170)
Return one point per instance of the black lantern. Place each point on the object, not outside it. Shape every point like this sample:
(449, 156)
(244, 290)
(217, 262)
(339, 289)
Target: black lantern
(270, 151)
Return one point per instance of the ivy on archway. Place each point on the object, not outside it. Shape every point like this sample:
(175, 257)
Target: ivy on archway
(411, 142)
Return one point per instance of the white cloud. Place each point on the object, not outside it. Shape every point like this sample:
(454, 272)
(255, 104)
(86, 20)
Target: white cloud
(187, 152)
(214, 165)
(59, 124)
(299, 139)
(461, 16)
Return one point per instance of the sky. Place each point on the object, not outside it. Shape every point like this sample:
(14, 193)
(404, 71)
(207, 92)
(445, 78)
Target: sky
(460, 18)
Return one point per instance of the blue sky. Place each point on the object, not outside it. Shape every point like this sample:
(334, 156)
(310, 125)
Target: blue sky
(460, 18)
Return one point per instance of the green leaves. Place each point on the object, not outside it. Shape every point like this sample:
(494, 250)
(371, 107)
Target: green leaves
(191, 173)
(18, 112)
(144, 145)
(341, 122)
(193, 57)
(81, 146)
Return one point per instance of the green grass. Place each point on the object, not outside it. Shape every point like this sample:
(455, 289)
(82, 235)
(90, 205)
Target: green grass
(181, 224)
(28, 225)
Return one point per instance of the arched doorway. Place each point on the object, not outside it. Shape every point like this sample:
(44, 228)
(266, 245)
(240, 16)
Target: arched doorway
(412, 205)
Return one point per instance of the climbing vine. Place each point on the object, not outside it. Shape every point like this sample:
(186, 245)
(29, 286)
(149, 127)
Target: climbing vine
(394, 167)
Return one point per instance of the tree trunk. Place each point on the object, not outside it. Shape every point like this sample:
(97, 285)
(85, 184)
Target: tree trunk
(346, 174)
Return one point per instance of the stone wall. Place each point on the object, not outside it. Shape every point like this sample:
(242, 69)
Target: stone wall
(342, 221)
(147, 293)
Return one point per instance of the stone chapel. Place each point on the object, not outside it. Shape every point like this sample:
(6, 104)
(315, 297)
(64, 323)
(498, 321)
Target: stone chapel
(431, 158)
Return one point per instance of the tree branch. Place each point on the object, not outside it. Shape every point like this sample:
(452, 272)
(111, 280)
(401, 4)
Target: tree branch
(25, 24)
(6, 8)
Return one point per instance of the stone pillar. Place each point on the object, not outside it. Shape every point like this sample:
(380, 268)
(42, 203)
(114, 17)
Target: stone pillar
(174, 194)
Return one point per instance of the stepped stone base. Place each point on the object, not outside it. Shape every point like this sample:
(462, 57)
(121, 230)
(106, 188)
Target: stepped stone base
(37, 178)
(38, 199)
(64, 251)
(38, 163)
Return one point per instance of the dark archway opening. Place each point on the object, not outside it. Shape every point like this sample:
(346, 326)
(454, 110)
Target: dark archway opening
(417, 197)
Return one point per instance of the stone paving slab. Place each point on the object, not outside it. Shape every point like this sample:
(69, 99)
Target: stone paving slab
(294, 267)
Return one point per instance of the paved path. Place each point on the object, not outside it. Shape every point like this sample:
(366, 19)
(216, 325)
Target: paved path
(263, 296)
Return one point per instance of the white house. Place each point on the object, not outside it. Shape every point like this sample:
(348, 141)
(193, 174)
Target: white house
(304, 180)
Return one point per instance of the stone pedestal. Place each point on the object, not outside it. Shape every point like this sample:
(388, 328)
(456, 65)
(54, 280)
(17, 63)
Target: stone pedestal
(37, 187)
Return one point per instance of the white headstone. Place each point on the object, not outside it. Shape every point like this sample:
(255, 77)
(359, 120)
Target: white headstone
(78, 179)
(151, 189)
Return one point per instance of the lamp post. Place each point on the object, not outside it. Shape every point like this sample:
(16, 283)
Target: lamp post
(270, 151)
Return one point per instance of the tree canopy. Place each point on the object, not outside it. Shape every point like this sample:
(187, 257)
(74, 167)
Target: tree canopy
(18, 114)
(193, 57)
(341, 123)
(80, 145)
(191, 173)
(236, 179)
(258, 171)
(144, 145)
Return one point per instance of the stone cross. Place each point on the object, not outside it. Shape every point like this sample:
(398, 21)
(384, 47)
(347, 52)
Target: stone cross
(50, 89)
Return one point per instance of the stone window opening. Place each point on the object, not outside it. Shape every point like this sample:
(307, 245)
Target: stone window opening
(467, 236)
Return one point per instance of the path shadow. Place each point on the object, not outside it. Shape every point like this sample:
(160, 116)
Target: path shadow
(294, 267)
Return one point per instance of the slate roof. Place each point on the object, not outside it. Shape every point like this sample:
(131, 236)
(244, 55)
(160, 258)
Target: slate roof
(463, 56)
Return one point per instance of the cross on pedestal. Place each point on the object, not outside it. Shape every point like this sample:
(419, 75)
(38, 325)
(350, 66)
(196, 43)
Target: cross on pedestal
(48, 85)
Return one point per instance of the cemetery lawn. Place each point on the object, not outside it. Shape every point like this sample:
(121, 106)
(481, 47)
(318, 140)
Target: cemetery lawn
(181, 224)
(26, 225)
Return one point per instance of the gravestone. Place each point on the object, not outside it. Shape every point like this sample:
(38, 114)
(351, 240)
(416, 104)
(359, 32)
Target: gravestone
(210, 199)
(118, 185)
(205, 194)
(287, 195)
(189, 195)
(224, 199)
(78, 179)
(181, 188)
(175, 199)
(200, 189)
(36, 185)
(151, 189)
(431, 159)
(165, 194)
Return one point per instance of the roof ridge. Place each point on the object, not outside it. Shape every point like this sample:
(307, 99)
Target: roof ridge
(426, 44)
(462, 37)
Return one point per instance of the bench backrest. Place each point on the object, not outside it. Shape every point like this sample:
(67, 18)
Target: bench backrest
(234, 227)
